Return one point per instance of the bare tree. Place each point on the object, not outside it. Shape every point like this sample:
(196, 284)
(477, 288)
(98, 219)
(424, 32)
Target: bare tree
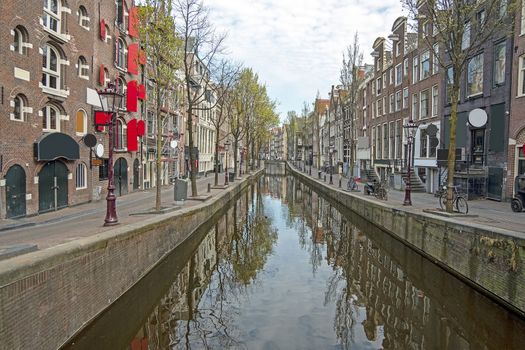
(455, 31)
(350, 79)
(228, 74)
(202, 46)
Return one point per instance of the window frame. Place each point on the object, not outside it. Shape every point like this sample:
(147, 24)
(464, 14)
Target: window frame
(83, 18)
(49, 15)
(499, 45)
(22, 107)
(81, 176)
(435, 100)
(398, 100)
(424, 65)
(422, 93)
(84, 123)
(121, 61)
(521, 76)
(415, 69)
(406, 96)
(82, 68)
(47, 122)
(470, 76)
(398, 75)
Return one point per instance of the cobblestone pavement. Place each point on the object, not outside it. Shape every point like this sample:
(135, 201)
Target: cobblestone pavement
(84, 220)
(490, 213)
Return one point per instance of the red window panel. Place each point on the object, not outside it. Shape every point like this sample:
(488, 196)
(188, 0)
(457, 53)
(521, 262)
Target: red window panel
(132, 96)
(101, 75)
(142, 57)
(101, 119)
(141, 128)
(132, 136)
(141, 94)
(102, 30)
(133, 26)
(133, 58)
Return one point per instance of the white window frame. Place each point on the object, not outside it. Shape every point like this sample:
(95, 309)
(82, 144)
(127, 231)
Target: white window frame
(47, 111)
(398, 101)
(391, 107)
(521, 76)
(22, 41)
(415, 69)
(522, 22)
(415, 106)
(435, 100)
(82, 67)
(435, 59)
(81, 176)
(122, 54)
(22, 108)
(405, 98)
(50, 15)
(48, 72)
(83, 17)
(496, 47)
(465, 39)
(399, 74)
(405, 67)
(427, 92)
(424, 62)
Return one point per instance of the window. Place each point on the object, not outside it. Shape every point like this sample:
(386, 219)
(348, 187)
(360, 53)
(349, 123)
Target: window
(81, 122)
(50, 118)
(398, 139)
(423, 146)
(384, 80)
(405, 98)
(435, 59)
(435, 100)
(120, 137)
(103, 170)
(120, 13)
(503, 6)
(398, 48)
(19, 108)
(51, 69)
(81, 176)
(465, 39)
(379, 64)
(391, 103)
(398, 100)
(499, 64)
(379, 85)
(385, 140)
(391, 78)
(121, 88)
(425, 65)
(449, 84)
(414, 106)
(405, 67)
(475, 75)
(522, 24)
(122, 54)
(424, 106)
(480, 18)
(384, 104)
(52, 15)
(83, 68)
(83, 18)
(20, 40)
(379, 108)
(415, 69)
(399, 74)
(521, 75)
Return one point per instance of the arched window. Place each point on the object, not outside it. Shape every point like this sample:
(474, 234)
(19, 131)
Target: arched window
(51, 69)
(81, 176)
(83, 68)
(121, 135)
(122, 88)
(122, 53)
(19, 108)
(20, 40)
(83, 18)
(81, 120)
(52, 15)
(50, 118)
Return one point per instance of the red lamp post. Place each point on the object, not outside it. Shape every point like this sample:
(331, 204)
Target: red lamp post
(110, 100)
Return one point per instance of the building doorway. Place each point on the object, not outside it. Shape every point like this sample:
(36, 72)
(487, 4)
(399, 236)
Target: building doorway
(120, 177)
(52, 187)
(15, 192)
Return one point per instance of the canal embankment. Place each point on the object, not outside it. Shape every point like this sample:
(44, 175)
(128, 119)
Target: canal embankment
(48, 296)
(490, 259)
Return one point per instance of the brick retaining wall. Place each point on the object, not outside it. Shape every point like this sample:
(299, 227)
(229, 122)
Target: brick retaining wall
(48, 296)
(489, 259)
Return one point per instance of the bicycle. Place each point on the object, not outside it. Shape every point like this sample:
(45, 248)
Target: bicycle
(458, 201)
(382, 190)
(351, 185)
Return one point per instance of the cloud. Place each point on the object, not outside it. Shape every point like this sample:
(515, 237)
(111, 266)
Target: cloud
(296, 46)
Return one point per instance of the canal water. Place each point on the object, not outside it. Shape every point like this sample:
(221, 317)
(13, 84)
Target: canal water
(283, 268)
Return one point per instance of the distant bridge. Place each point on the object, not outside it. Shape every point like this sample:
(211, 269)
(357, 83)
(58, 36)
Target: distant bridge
(275, 167)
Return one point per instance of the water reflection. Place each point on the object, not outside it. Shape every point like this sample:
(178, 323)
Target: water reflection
(283, 268)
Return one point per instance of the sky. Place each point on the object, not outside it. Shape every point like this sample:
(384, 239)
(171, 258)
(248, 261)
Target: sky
(296, 46)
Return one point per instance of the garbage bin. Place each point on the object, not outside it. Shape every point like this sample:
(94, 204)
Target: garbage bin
(231, 177)
(180, 190)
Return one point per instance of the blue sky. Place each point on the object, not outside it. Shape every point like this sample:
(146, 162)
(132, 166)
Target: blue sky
(296, 46)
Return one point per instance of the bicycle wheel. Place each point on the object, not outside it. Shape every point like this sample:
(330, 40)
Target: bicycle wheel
(461, 205)
(443, 200)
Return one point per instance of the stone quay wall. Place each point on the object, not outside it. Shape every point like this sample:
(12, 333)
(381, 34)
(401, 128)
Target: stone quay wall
(489, 259)
(48, 296)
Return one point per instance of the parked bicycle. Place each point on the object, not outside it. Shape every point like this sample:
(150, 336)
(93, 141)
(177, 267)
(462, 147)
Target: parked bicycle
(459, 202)
(378, 189)
(351, 185)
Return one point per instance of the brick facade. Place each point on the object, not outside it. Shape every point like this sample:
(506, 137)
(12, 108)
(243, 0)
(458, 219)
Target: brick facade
(77, 41)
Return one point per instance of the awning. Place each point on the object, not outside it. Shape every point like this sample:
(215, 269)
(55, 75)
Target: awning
(56, 145)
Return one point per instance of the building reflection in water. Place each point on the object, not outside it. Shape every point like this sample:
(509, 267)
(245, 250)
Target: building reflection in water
(371, 291)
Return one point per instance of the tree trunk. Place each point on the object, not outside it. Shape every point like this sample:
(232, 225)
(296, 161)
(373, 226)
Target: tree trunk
(158, 193)
(217, 158)
(235, 145)
(451, 160)
(193, 171)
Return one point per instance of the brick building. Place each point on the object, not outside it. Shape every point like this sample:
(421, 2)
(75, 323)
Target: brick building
(54, 57)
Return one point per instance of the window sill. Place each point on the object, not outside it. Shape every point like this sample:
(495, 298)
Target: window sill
(54, 92)
(16, 120)
(81, 188)
(64, 38)
(475, 96)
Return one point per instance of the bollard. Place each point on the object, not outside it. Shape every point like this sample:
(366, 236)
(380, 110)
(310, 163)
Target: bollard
(324, 177)
(339, 182)
(209, 187)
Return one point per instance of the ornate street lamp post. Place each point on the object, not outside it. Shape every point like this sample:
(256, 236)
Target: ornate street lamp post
(410, 129)
(110, 100)
(226, 149)
(331, 164)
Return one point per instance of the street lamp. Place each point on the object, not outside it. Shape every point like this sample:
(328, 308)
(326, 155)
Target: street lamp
(226, 149)
(410, 131)
(110, 100)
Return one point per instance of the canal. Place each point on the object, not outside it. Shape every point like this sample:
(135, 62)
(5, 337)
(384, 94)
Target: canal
(283, 268)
